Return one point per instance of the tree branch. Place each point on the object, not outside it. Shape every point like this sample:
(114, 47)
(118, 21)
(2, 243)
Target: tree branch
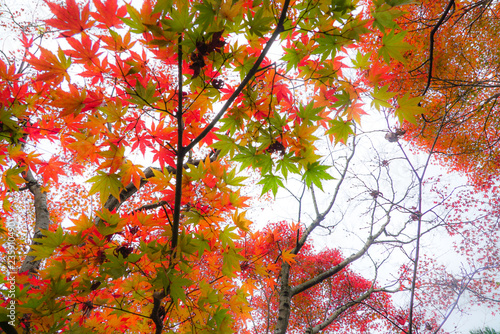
(332, 271)
(320, 217)
(339, 311)
(285, 297)
(180, 150)
(431, 48)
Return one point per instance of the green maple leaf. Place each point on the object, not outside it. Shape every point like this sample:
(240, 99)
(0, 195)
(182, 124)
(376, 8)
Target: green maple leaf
(292, 57)
(226, 145)
(177, 286)
(249, 157)
(12, 178)
(259, 24)
(134, 21)
(309, 113)
(341, 130)
(393, 46)
(315, 173)
(408, 108)
(183, 20)
(271, 182)
(106, 184)
(227, 236)
(206, 14)
(163, 6)
(380, 98)
(46, 246)
(113, 220)
(362, 61)
(288, 164)
(327, 45)
(396, 3)
(231, 262)
(61, 287)
(114, 266)
(231, 179)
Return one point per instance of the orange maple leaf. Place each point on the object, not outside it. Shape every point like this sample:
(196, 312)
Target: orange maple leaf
(76, 101)
(55, 68)
(288, 257)
(131, 173)
(354, 112)
(325, 98)
(8, 74)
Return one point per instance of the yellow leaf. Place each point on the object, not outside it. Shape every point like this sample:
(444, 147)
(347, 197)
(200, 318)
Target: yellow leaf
(131, 173)
(240, 221)
(81, 224)
(229, 11)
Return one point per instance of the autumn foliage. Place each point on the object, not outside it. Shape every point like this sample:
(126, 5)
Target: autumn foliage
(452, 67)
(132, 139)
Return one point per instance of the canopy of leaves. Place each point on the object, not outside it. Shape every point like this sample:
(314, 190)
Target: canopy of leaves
(124, 152)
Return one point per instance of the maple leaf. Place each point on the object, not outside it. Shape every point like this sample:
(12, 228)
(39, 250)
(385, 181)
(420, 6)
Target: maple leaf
(354, 112)
(12, 179)
(325, 98)
(105, 184)
(84, 146)
(81, 224)
(47, 245)
(240, 221)
(394, 46)
(381, 97)
(54, 68)
(75, 101)
(378, 73)
(114, 158)
(315, 173)
(117, 42)
(271, 182)
(8, 74)
(84, 52)
(131, 173)
(341, 130)
(108, 14)
(229, 10)
(69, 18)
(161, 180)
(408, 107)
(288, 257)
(52, 169)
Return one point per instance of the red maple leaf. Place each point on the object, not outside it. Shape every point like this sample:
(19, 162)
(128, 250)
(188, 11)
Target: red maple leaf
(84, 52)
(51, 169)
(69, 19)
(108, 14)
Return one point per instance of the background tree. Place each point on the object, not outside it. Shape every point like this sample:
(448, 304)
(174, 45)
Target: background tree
(453, 66)
(452, 69)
